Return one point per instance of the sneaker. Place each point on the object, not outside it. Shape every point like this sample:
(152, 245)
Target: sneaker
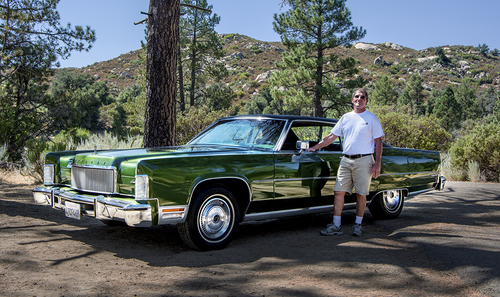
(356, 230)
(331, 229)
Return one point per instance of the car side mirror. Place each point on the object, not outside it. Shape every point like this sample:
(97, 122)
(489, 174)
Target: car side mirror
(302, 145)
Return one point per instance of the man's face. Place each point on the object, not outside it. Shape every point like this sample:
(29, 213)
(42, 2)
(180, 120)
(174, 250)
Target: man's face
(359, 100)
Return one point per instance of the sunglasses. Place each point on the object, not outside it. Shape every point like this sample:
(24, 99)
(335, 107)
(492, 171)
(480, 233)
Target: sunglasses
(357, 96)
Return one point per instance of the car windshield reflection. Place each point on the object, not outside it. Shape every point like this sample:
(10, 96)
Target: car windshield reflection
(244, 132)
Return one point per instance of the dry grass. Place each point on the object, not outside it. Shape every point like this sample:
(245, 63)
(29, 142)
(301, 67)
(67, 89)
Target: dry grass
(14, 177)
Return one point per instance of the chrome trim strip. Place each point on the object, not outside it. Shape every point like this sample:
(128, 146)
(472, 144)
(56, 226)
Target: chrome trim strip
(214, 178)
(410, 194)
(407, 173)
(293, 212)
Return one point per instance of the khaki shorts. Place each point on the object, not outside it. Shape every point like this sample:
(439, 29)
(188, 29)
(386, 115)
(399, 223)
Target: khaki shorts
(355, 173)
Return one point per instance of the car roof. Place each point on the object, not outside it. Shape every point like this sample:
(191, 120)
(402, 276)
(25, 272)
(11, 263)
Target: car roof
(280, 117)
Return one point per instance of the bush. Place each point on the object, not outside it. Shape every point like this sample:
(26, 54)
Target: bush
(74, 135)
(415, 132)
(33, 156)
(481, 145)
(449, 171)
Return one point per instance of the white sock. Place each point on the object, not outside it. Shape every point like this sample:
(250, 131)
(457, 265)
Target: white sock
(359, 220)
(336, 220)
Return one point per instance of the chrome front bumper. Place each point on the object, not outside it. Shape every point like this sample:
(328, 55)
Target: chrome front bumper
(133, 213)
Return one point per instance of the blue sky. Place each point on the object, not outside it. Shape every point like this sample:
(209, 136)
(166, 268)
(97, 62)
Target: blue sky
(415, 24)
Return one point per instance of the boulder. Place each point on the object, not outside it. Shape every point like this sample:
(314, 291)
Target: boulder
(366, 46)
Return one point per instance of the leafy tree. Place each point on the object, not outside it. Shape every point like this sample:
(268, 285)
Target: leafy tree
(311, 74)
(384, 92)
(447, 110)
(31, 40)
(495, 53)
(481, 145)
(412, 98)
(200, 48)
(79, 99)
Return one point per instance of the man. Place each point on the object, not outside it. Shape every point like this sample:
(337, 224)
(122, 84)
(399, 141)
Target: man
(362, 134)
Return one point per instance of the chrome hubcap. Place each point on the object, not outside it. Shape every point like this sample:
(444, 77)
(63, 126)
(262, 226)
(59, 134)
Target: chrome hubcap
(215, 218)
(392, 200)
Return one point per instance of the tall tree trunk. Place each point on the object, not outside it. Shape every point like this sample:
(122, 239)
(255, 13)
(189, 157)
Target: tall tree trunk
(161, 75)
(180, 72)
(194, 57)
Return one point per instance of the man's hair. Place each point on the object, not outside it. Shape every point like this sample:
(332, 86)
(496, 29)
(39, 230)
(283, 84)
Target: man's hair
(362, 91)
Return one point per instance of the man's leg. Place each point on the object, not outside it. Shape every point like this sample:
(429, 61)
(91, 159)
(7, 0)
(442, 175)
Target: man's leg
(360, 205)
(360, 211)
(338, 206)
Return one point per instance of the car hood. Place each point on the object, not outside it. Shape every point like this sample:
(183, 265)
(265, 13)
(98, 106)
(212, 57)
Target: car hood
(112, 157)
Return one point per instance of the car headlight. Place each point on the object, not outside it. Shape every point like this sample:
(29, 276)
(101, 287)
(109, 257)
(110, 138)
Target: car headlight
(141, 187)
(48, 174)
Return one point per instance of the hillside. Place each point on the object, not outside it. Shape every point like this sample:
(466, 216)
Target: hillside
(250, 62)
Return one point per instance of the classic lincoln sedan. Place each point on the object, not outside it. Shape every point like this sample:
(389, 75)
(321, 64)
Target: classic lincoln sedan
(239, 169)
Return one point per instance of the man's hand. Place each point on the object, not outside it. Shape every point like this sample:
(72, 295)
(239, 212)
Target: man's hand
(376, 170)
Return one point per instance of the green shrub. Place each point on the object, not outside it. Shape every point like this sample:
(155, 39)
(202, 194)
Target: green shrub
(481, 145)
(243, 75)
(75, 135)
(33, 156)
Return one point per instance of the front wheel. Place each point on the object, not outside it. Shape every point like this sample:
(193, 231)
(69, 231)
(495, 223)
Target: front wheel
(387, 205)
(212, 220)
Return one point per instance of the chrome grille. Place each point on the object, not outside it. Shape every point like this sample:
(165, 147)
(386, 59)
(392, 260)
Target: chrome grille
(94, 179)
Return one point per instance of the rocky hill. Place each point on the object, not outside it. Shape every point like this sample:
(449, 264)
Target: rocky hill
(250, 63)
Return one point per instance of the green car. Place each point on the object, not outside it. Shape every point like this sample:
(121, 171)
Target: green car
(239, 169)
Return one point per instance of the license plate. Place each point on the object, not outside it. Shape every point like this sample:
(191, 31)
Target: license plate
(72, 210)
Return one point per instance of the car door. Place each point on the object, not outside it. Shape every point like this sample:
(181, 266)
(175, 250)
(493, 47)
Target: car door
(306, 179)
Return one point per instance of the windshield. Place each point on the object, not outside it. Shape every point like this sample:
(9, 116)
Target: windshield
(243, 132)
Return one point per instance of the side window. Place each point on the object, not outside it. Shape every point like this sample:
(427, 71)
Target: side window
(311, 133)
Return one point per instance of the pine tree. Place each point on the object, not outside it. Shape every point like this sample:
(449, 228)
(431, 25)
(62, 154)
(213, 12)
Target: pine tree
(447, 110)
(311, 75)
(466, 97)
(200, 48)
(161, 73)
(412, 98)
(384, 92)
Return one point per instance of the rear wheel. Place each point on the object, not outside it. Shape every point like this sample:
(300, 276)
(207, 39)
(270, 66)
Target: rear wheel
(212, 220)
(387, 205)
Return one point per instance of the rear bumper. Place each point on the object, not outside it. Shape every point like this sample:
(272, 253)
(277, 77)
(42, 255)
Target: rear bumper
(132, 212)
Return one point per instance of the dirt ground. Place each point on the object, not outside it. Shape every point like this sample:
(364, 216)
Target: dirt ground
(443, 244)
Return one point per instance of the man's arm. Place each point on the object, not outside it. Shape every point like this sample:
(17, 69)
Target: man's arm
(378, 157)
(325, 142)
